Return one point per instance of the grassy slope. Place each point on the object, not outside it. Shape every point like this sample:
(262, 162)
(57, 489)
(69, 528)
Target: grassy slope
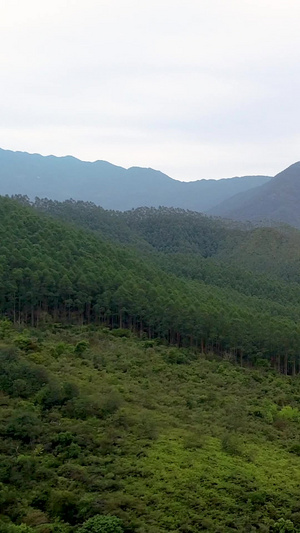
(163, 439)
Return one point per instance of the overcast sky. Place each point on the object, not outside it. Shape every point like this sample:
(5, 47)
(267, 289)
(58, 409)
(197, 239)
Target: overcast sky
(196, 89)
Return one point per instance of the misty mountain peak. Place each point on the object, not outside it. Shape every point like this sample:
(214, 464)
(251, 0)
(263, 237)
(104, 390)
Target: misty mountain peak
(111, 186)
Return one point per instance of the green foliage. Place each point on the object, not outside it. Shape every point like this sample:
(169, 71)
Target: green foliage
(5, 329)
(185, 279)
(120, 332)
(102, 524)
(56, 394)
(24, 425)
(12, 528)
(62, 348)
(283, 526)
(161, 445)
(289, 413)
(63, 504)
(81, 347)
(19, 377)
(230, 444)
(145, 382)
(295, 448)
(25, 343)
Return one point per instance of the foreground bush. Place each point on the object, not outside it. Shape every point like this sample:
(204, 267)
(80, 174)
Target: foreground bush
(102, 524)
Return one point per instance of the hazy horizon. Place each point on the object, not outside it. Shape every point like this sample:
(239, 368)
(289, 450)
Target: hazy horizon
(127, 168)
(198, 90)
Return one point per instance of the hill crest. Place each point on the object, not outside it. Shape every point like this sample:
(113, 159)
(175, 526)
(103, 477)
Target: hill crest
(275, 201)
(111, 186)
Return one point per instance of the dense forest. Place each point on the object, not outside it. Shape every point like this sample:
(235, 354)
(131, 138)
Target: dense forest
(177, 278)
(149, 371)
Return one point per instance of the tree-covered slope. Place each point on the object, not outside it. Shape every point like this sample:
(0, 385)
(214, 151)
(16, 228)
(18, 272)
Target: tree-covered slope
(111, 186)
(275, 251)
(51, 270)
(154, 438)
(277, 200)
(272, 251)
(141, 372)
(164, 229)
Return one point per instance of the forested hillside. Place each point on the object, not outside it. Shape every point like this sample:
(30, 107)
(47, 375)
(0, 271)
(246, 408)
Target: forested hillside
(277, 200)
(272, 251)
(149, 372)
(53, 271)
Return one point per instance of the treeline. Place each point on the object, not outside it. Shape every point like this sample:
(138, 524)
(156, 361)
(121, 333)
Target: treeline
(272, 251)
(50, 270)
(164, 229)
(258, 262)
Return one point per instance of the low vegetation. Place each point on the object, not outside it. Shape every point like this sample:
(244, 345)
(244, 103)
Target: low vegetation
(105, 432)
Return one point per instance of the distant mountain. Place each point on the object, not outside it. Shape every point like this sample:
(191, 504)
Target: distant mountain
(277, 200)
(111, 186)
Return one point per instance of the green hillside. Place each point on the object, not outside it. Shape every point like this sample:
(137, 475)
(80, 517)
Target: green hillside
(272, 251)
(149, 372)
(259, 262)
(53, 271)
(277, 200)
(269, 250)
(165, 439)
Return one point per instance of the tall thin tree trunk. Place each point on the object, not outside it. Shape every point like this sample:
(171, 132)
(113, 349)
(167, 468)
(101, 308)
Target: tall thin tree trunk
(294, 365)
(285, 364)
(278, 363)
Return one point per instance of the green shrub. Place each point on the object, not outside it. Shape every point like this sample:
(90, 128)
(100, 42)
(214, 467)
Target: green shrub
(289, 413)
(24, 426)
(194, 441)
(230, 444)
(102, 524)
(283, 526)
(295, 448)
(57, 394)
(19, 377)
(26, 344)
(121, 332)
(110, 403)
(61, 348)
(6, 329)
(12, 528)
(81, 347)
(176, 357)
(63, 504)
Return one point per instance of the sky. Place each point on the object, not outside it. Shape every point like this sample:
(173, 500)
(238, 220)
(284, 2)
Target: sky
(197, 89)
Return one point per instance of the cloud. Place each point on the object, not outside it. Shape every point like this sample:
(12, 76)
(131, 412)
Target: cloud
(197, 89)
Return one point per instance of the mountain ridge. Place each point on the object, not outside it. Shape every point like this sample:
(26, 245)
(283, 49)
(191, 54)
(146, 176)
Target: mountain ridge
(112, 186)
(275, 201)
